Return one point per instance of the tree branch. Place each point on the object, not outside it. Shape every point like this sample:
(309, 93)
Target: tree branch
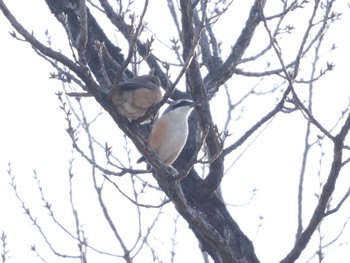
(320, 210)
(215, 79)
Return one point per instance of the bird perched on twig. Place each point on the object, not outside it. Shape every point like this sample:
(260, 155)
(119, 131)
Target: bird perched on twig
(170, 131)
(133, 97)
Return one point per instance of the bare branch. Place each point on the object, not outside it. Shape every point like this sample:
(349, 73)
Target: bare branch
(4, 252)
(33, 219)
(291, 76)
(82, 41)
(255, 127)
(214, 80)
(320, 210)
(80, 71)
(339, 205)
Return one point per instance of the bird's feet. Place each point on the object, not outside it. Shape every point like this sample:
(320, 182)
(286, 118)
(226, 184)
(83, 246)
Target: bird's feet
(172, 170)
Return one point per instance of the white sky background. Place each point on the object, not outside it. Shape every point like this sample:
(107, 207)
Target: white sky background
(33, 137)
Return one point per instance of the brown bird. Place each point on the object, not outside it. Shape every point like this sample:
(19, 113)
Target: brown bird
(135, 96)
(170, 131)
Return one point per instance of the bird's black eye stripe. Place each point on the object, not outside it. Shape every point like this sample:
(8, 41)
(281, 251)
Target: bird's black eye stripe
(182, 103)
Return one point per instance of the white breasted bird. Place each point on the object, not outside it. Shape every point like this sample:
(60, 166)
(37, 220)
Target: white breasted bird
(133, 97)
(170, 131)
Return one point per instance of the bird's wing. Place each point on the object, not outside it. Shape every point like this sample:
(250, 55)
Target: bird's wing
(130, 85)
(155, 139)
(138, 84)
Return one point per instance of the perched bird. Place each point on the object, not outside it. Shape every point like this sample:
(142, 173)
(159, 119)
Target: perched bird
(135, 96)
(169, 133)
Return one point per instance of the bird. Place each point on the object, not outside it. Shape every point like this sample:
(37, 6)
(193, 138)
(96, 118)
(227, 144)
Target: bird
(169, 133)
(133, 97)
